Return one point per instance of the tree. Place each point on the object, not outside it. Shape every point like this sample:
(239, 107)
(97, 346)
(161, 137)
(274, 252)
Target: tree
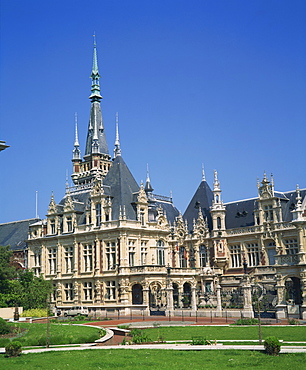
(21, 288)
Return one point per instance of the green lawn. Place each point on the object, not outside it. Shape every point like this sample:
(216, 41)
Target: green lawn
(287, 333)
(59, 334)
(154, 359)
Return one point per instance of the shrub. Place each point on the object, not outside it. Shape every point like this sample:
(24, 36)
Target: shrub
(200, 341)
(13, 349)
(35, 312)
(246, 322)
(293, 322)
(272, 346)
(123, 326)
(4, 327)
(138, 336)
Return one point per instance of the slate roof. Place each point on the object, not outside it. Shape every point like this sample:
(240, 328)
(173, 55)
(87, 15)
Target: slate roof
(122, 186)
(241, 213)
(96, 122)
(202, 198)
(15, 233)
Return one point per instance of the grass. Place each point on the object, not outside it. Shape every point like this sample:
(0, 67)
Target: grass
(286, 333)
(153, 359)
(35, 335)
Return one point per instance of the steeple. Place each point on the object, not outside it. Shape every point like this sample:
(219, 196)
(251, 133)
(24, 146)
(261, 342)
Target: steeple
(96, 140)
(95, 76)
(96, 161)
(117, 150)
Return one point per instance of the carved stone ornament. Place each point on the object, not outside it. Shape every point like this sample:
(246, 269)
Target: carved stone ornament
(68, 206)
(52, 206)
(142, 197)
(97, 188)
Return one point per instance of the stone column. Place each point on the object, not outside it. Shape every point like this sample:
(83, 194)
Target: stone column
(169, 291)
(303, 290)
(193, 298)
(281, 305)
(219, 304)
(247, 297)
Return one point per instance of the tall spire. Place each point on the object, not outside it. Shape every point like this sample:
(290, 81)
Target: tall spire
(95, 76)
(96, 140)
(117, 150)
(76, 151)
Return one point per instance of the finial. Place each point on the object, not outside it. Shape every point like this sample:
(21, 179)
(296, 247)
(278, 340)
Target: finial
(94, 36)
(216, 181)
(117, 150)
(76, 151)
(76, 140)
(203, 173)
(148, 176)
(298, 197)
(148, 187)
(67, 184)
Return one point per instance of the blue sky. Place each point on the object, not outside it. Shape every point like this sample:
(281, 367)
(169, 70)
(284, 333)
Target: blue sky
(219, 82)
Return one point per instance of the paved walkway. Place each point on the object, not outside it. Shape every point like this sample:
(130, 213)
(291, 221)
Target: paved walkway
(177, 347)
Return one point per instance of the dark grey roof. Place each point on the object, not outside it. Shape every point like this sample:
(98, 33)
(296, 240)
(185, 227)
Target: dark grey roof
(15, 233)
(241, 213)
(202, 198)
(170, 211)
(122, 186)
(290, 204)
(96, 123)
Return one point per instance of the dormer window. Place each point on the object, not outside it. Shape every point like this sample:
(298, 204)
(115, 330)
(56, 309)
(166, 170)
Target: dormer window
(69, 224)
(142, 218)
(98, 214)
(268, 212)
(52, 226)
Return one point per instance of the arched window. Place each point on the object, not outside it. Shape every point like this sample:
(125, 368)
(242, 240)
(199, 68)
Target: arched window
(219, 222)
(137, 294)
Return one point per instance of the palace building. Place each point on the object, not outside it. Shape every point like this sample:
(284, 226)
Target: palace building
(112, 244)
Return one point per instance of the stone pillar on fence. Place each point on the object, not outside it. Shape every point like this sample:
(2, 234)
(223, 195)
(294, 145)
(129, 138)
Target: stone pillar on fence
(281, 304)
(219, 304)
(146, 300)
(247, 311)
(193, 298)
(169, 291)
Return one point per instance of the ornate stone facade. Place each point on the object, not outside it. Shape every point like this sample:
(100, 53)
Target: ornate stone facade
(112, 244)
